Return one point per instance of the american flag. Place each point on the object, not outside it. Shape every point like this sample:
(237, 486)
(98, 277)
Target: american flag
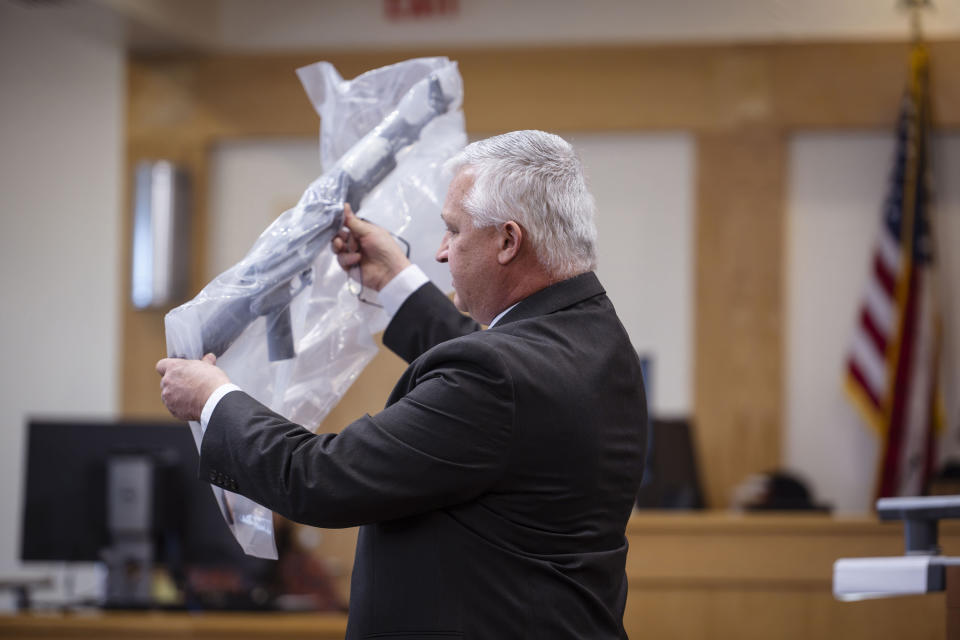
(893, 364)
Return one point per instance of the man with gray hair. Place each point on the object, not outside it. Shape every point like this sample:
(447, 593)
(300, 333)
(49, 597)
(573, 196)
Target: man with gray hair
(495, 487)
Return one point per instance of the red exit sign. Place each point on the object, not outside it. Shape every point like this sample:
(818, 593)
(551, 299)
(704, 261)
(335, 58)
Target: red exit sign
(420, 9)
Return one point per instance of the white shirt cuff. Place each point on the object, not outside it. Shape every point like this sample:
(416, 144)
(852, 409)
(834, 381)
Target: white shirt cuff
(213, 401)
(395, 293)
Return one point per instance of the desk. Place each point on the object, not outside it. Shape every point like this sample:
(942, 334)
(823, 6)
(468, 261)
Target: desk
(692, 576)
(175, 626)
(717, 575)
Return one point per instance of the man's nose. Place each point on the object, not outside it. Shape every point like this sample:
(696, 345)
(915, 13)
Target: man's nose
(442, 251)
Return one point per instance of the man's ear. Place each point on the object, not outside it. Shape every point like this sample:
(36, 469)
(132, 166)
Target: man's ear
(511, 239)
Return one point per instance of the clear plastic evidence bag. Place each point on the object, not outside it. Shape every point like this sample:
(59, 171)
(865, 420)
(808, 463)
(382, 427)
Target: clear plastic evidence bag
(285, 323)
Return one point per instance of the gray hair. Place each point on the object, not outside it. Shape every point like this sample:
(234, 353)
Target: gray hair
(536, 179)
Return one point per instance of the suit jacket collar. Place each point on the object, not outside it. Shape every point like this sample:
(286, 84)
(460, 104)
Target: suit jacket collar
(555, 297)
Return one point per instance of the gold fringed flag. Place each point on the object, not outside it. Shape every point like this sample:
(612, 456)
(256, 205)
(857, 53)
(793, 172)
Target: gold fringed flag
(893, 363)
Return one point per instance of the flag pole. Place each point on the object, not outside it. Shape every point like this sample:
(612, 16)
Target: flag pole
(891, 359)
(916, 8)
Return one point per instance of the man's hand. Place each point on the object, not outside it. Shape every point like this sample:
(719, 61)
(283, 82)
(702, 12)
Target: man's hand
(372, 247)
(185, 385)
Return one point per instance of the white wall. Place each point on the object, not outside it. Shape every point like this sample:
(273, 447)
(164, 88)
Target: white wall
(946, 156)
(61, 117)
(836, 187)
(251, 183)
(643, 184)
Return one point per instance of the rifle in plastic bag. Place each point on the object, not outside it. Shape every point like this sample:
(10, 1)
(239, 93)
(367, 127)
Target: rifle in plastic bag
(316, 337)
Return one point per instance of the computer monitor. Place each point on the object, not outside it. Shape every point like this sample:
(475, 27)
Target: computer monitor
(65, 493)
(67, 515)
(671, 479)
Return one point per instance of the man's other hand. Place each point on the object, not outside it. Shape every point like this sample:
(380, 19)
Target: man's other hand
(185, 385)
(371, 247)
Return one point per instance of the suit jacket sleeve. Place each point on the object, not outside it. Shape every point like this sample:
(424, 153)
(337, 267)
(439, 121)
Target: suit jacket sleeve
(442, 443)
(425, 319)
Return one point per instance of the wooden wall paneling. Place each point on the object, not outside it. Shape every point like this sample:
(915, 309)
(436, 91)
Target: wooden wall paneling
(738, 359)
(745, 613)
(839, 86)
(590, 89)
(174, 625)
(719, 575)
(858, 85)
(953, 603)
(945, 88)
(142, 330)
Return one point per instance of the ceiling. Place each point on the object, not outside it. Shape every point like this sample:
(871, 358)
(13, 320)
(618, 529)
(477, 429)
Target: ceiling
(298, 25)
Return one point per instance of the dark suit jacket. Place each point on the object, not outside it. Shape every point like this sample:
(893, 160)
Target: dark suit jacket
(494, 487)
